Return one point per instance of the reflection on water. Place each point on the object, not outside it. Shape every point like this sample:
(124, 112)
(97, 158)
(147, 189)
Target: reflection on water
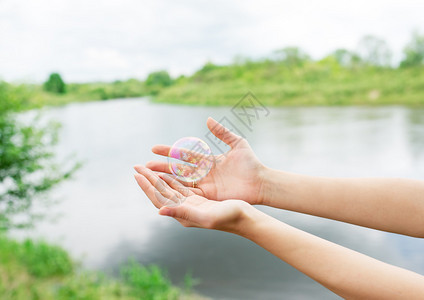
(107, 219)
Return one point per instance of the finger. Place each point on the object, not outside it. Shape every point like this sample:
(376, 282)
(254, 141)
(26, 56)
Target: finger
(222, 133)
(187, 185)
(181, 213)
(152, 177)
(183, 153)
(186, 215)
(161, 149)
(158, 166)
(188, 155)
(157, 198)
(163, 167)
(158, 183)
(176, 185)
(184, 183)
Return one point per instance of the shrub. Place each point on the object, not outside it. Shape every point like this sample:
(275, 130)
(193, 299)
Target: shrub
(55, 84)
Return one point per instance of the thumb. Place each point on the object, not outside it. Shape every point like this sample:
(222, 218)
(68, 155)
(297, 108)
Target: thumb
(180, 212)
(222, 133)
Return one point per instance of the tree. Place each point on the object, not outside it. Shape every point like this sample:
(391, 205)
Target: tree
(346, 58)
(156, 81)
(209, 66)
(55, 84)
(291, 56)
(374, 51)
(27, 168)
(159, 78)
(414, 51)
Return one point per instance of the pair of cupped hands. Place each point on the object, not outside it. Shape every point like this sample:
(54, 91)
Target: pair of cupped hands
(220, 199)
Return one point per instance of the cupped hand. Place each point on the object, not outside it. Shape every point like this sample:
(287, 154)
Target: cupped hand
(237, 174)
(191, 210)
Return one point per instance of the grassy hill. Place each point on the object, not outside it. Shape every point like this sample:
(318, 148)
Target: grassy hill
(275, 83)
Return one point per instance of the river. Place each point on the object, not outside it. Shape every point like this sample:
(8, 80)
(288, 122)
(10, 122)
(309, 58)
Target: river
(104, 219)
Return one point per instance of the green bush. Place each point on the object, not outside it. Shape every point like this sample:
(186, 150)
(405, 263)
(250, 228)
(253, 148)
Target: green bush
(39, 258)
(414, 51)
(38, 270)
(27, 167)
(148, 282)
(44, 260)
(157, 81)
(55, 84)
(159, 78)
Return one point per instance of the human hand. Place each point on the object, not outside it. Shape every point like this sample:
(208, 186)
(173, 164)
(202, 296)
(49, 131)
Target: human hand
(237, 174)
(194, 210)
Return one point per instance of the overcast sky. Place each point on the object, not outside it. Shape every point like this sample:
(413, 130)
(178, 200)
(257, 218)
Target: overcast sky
(89, 40)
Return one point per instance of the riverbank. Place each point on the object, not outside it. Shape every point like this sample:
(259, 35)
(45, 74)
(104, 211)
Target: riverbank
(323, 83)
(29, 96)
(38, 270)
(274, 83)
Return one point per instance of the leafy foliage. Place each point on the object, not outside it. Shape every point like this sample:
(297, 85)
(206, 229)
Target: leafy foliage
(346, 58)
(27, 170)
(290, 77)
(55, 84)
(44, 260)
(287, 77)
(374, 51)
(40, 258)
(414, 51)
(38, 270)
(148, 282)
(156, 81)
(291, 56)
(159, 78)
(324, 82)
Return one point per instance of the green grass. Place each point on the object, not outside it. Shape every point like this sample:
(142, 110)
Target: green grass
(29, 96)
(82, 92)
(38, 270)
(315, 83)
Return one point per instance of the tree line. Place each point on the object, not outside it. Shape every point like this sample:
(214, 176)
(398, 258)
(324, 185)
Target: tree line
(371, 51)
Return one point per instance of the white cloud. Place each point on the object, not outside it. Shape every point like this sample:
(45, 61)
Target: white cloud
(111, 39)
(105, 58)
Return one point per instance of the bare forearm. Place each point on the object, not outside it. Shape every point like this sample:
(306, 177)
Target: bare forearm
(389, 204)
(345, 272)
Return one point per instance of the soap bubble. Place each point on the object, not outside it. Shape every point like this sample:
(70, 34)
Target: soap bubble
(194, 157)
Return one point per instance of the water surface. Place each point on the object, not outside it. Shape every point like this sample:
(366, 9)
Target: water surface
(106, 218)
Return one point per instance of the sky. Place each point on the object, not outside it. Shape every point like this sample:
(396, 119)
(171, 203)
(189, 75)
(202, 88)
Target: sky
(104, 40)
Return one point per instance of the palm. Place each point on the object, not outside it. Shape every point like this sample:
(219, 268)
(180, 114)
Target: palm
(235, 175)
(209, 214)
(194, 210)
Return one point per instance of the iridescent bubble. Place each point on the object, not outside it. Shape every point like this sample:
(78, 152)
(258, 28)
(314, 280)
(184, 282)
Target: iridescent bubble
(190, 159)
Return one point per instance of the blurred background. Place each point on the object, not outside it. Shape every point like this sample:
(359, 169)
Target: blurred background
(88, 87)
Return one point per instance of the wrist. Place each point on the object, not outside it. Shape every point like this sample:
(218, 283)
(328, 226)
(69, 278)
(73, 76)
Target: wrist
(270, 185)
(277, 188)
(264, 174)
(250, 217)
